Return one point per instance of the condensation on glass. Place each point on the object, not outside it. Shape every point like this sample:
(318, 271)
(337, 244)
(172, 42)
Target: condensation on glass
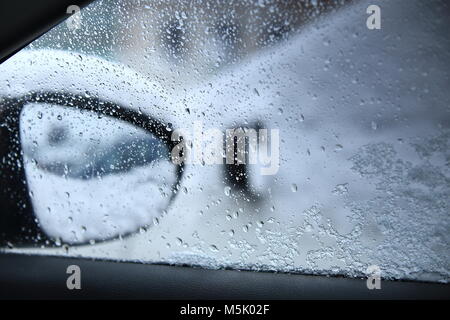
(363, 120)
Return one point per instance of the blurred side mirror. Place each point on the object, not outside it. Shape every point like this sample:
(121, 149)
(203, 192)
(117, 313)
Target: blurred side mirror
(77, 170)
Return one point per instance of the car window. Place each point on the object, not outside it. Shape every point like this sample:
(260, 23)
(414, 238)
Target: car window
(288, 136)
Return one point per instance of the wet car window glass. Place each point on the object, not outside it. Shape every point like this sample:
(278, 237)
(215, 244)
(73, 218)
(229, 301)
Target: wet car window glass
(344, 131)
(91, 177)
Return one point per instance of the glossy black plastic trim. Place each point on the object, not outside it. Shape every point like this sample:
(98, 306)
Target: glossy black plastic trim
(42, 277)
